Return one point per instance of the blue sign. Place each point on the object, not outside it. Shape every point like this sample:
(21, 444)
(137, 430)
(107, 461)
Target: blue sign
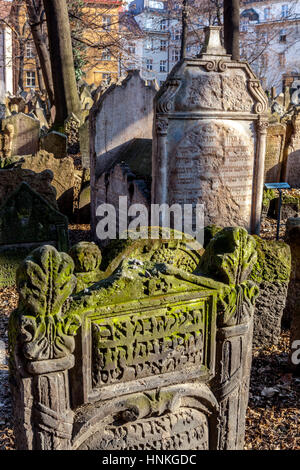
(277, 185)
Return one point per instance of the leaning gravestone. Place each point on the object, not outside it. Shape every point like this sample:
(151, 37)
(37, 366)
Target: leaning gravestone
(25, 135)
(292, 163)
(27, 221)
(274, 152)
(154, 356)
(210, 137)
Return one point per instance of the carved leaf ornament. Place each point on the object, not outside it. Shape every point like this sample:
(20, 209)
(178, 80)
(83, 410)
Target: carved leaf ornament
(45, 281)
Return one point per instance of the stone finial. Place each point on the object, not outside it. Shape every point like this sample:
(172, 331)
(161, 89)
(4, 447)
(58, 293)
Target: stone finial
(212, 45)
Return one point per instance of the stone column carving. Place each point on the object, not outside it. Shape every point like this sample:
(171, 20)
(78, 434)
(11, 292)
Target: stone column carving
(161, 169)
(259, 170)
(41, 346)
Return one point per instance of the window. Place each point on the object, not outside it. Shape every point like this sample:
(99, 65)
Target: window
(163, 45)
(281, 57)
(244, 24)
(267, 13)
(30, 50)
(149, 64)
(106, 77)
(106, 22)
(176, 36)
(175, 55)
(284, 11)
(131, 48)
(149, 43)
(30, 79)
(106, 55)
(163, 25)
(282, 35)
(163, 66)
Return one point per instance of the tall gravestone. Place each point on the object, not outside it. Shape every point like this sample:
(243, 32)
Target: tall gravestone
(26, 131)
(274, 152)
(123, 113)
(210, 137)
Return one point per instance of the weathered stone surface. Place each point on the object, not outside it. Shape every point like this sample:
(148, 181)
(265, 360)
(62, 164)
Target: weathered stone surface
(293, 304)
(55, 143)
(163, 354)
(272, 274)
(129, 176)
(25, 135)
(210, 135)
(274, 152)
(84, 139)
(12, 177)
(27, 220)
(292, 159)
(63, 176)
(120, 120)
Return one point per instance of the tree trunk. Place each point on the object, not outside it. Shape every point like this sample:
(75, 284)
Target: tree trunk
(63, 74)
(41, 48)
(232, 28)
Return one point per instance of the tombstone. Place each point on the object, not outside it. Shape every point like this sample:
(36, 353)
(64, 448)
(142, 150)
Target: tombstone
(25, 135)
(295, 92)
(6, 141)
(123, 114)
(274, 152)
(210, 137)
(27, 221)
(41, 116)
(293, 303)
(129, 176)
(63, 175)
(157, 357)
(292, 157)
(84, 139)
(71, 129)
(55, 143)
(271, 273)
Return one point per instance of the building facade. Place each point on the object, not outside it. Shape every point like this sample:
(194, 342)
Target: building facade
(270, 39)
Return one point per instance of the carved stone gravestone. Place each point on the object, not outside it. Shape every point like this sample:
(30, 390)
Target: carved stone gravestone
(56, 143)
(25, 134)
(210, 137)
(274, 152)
(27, 220)
(292, 161)
(157, 355)
(123, 113)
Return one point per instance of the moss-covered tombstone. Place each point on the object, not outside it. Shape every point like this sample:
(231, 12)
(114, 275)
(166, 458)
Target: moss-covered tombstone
(151, 350)
(27, 220)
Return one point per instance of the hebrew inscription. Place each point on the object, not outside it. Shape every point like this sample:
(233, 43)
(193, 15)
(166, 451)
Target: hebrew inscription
(182, 430)
(142, 344)
(213, 164)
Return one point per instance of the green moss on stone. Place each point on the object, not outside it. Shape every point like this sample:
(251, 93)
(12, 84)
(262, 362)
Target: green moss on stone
(273, 261)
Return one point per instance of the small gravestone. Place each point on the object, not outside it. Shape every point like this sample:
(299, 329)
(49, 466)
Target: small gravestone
(25, 135)
(55, 143)
(27, 221)
(292, 168)
(209, 138)
(274, 152)
(84, 139)
(41, 116)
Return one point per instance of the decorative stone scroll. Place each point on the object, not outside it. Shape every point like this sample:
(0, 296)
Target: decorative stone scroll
(156, 355)
(207, 148)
